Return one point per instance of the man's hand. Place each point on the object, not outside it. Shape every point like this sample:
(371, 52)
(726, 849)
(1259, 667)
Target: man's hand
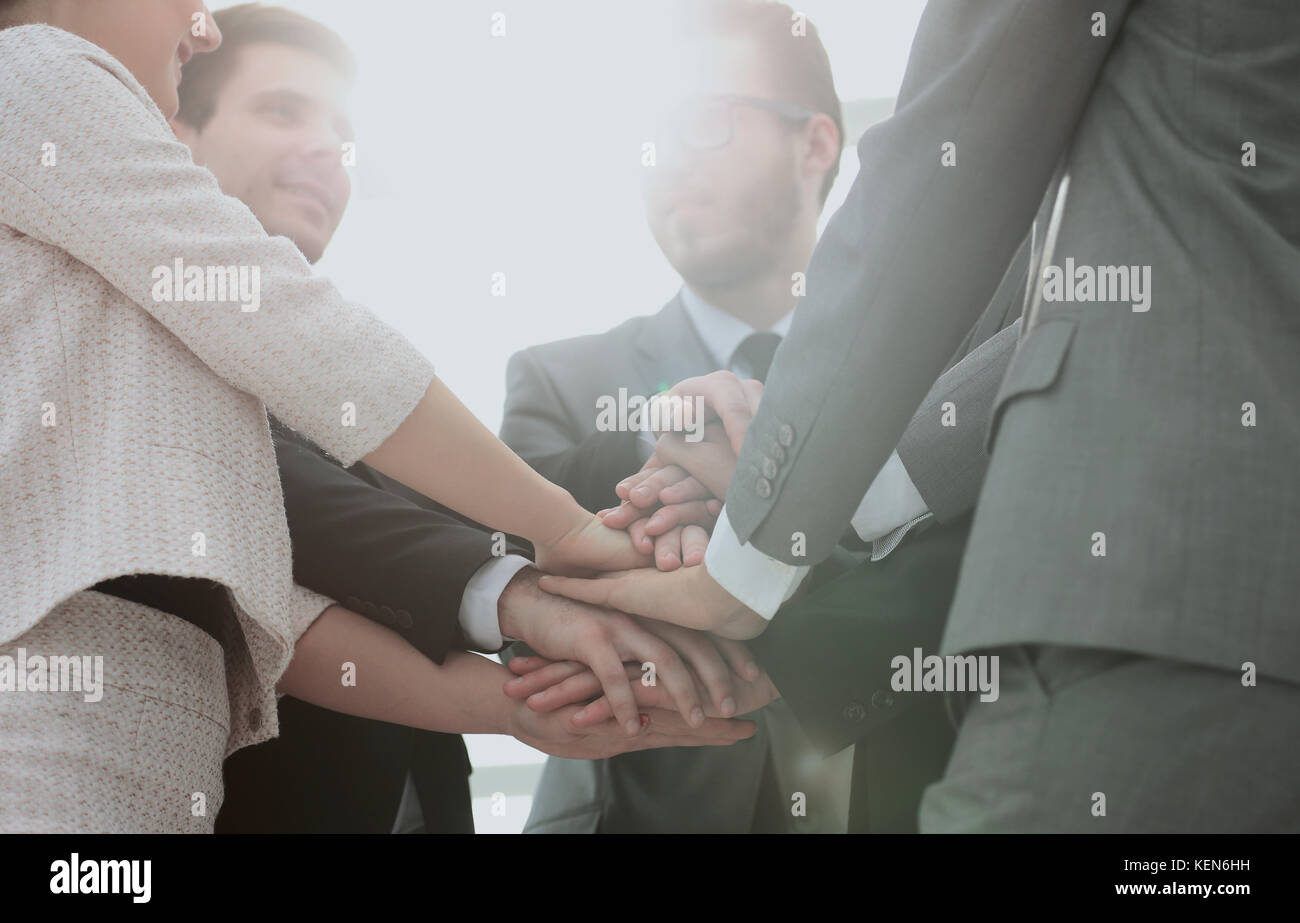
(671, 504)
(719, 666)
(726, 398)
(676, 535)
(710, 463)
(567, 629)
(689, 597)
(548, 686)
(556, 733)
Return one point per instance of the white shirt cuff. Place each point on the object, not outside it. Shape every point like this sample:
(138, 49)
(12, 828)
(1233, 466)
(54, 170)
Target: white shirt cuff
(760, 582)
(479, 619)
(891, 501)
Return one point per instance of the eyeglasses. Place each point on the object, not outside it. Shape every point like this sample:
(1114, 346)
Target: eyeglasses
(706, 123)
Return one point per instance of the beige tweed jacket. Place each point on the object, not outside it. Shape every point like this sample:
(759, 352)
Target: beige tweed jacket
(133, 431)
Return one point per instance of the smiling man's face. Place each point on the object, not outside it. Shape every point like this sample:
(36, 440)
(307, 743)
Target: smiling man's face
(275, 141)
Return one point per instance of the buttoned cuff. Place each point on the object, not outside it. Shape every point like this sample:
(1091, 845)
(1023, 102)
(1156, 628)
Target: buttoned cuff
(479, 619)
(759, 581)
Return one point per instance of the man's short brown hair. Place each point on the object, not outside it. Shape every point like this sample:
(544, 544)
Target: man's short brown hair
(797, 60)
(242, 25)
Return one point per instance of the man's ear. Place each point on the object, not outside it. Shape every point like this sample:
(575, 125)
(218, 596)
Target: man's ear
(822, 145)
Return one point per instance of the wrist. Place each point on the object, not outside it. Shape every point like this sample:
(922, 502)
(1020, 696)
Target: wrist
(507, 717)
(557, 516)
(514, 602)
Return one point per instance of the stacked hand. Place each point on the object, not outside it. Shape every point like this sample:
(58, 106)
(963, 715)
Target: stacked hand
(560, 732)
(697, 674)
(550, 686)
(677, 619)
(587, 545)
(667, 506)
(670, 505)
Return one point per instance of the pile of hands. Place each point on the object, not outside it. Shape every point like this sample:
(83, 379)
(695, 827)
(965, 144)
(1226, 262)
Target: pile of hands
(637, 646)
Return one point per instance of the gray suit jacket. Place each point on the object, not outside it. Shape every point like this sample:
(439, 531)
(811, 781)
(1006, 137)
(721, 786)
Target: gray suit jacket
(549, 421)
(1132, 426)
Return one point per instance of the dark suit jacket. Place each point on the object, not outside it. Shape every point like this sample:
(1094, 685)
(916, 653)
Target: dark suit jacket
(395, 556)
(830, 650)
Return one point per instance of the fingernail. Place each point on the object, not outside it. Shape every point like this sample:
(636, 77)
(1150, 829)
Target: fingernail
(580, 715)
(641, 493)
(728, 706)
(516, 681)
(632, 725)
(697, 716)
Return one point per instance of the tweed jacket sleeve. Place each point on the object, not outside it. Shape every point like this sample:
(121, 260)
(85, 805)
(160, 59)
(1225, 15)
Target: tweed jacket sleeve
(89, 164)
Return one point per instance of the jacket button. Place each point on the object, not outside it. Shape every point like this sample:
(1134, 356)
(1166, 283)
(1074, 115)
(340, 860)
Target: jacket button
(854, 712)
(370, 610)
(353, 603)
(404, 619)
(763, 488)
(254, 719)
(881, 699)
(387, 615)
(785, 435)
(769, 468)
(777, 453)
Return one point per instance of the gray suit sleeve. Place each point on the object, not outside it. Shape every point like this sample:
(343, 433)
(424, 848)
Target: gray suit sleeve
(918, 248)
(946, 458)
(534, 422)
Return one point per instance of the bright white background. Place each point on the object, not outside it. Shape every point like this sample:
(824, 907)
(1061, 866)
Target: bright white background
(521, 155)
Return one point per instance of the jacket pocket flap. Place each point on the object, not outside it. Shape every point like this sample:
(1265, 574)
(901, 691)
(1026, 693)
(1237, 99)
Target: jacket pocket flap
(1034, 368)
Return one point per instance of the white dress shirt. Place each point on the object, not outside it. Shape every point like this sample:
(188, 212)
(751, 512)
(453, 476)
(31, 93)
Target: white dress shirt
(891, 507)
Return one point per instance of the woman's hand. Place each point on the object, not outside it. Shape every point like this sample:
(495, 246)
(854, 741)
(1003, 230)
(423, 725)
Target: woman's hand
(586, 545)
(671, 505)
(550, 686)
(556, 733)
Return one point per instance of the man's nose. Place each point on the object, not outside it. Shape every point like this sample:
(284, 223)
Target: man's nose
(325, 146)
(211, 37)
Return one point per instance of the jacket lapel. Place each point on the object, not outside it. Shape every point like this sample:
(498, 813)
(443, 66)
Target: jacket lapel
(670, 349)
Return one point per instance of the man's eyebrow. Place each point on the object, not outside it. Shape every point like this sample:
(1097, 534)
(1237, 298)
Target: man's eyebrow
(284, 94)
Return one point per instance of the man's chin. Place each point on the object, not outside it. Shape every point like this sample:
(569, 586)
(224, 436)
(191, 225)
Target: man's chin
(703, 270)
(310, 242)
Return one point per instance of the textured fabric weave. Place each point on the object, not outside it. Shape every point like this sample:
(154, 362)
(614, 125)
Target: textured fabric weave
(134, 436)
(146, 757)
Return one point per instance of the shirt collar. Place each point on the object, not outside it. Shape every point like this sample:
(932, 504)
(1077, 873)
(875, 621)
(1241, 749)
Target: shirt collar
(722, 332)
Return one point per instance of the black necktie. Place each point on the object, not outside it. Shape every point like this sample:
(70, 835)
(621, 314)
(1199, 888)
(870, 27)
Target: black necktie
(753, 357)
